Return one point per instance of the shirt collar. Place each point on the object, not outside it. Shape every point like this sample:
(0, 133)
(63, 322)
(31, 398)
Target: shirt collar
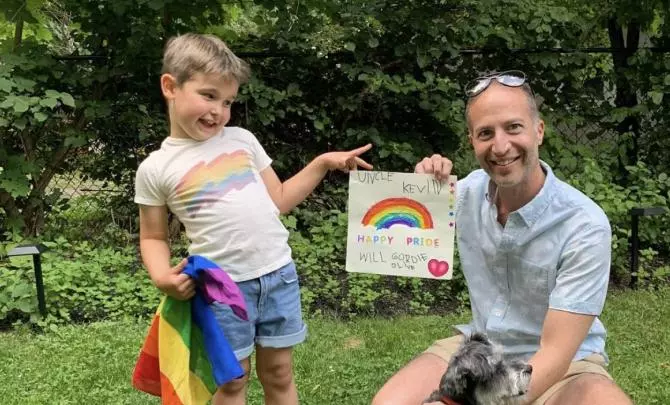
(531, 212)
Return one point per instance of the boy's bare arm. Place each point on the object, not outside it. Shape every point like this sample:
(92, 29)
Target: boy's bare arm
(155, 253)
(293, 191)
(153, 240)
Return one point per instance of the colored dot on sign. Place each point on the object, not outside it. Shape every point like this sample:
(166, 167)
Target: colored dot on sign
(451, 184)
(451, 214)
(451, 224)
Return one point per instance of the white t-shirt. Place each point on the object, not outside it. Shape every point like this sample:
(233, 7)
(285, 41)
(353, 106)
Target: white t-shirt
(215, 190)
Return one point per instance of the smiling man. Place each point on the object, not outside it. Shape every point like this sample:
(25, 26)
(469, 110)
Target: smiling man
(536, 256)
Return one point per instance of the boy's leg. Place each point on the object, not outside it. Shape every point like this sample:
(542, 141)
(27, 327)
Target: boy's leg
(420, 377)
(279, 328)
(234, 392)
(275, 372)
(240, 336)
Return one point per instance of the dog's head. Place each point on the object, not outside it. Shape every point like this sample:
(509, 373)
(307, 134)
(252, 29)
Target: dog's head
(479, 375)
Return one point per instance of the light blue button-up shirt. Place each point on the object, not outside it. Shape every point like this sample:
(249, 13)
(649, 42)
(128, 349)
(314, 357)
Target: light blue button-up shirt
(554, 252)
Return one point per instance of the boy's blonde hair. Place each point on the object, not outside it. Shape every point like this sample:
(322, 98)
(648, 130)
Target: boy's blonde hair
(188, 54)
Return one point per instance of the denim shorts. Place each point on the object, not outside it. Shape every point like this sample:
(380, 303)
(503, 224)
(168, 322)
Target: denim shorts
(275, 314)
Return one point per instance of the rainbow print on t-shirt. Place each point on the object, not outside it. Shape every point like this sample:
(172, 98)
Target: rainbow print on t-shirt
(207, 183)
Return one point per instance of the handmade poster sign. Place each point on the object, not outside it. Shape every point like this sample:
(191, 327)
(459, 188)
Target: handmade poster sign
(401, 224)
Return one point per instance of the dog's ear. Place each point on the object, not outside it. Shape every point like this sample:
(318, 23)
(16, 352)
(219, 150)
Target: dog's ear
(479, 337)
(456, 382)
(484, 370)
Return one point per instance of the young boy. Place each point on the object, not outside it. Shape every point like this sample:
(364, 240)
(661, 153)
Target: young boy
(218, 181)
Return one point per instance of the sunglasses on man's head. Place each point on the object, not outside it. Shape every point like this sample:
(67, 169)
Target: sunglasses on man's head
(510, 78)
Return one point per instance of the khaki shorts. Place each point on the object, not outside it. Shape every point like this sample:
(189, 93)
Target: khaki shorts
(594, 363)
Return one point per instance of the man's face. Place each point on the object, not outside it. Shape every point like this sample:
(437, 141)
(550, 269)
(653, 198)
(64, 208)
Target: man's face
(504, 135)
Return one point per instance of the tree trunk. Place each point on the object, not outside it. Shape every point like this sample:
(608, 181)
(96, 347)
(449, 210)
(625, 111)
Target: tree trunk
(625, 94)
(33, 213)
(18, 32)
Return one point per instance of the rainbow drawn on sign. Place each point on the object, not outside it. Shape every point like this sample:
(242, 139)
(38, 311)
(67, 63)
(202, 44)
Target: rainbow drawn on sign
(398, 211)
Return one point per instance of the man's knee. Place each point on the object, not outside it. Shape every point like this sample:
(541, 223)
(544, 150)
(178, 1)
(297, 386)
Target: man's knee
(598, 389)
(393, 395)
(384, 397)
(412, 383)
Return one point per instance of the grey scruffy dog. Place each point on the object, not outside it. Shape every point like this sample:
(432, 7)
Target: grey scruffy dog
(479, 375)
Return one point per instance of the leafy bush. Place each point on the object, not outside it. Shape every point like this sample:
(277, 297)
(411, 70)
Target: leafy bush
(103, 220)
(82, 283)
(102, 276)
(646, 190)
(587, 168)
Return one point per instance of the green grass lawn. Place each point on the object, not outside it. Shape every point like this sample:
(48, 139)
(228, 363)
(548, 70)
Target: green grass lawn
(342, 362)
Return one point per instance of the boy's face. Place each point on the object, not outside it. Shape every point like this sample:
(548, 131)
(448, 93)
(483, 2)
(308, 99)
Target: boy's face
(199, 107)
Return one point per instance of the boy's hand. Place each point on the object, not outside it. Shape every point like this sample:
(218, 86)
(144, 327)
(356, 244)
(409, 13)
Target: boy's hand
(346, 161)
(176, 284)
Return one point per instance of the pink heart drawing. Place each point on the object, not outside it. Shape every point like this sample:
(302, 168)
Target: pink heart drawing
(438, 268)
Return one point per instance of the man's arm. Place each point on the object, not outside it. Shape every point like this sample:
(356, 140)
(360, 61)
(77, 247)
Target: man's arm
(562, 334)
(576, 299)
(293, 191)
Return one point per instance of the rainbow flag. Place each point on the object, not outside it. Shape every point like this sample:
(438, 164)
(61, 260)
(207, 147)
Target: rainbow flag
(185, 355)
